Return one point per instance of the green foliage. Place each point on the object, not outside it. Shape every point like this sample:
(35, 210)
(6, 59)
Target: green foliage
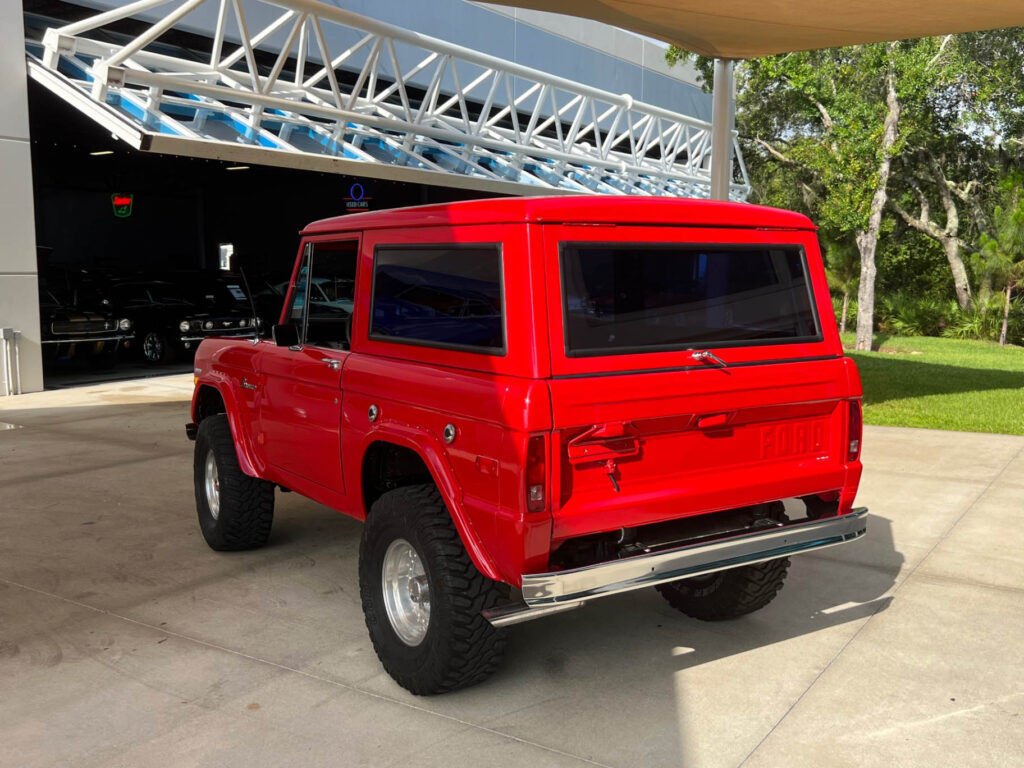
(902, 314)
(842, 265)
(704, 65)
(851, 311)
(1001, 252)
(824, 113)
(984, 320)
(994, 79)
(909, 262)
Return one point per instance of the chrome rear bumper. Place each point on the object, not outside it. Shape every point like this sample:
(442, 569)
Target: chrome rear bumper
(547, 593)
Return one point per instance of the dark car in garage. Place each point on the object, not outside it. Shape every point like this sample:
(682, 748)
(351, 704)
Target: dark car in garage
(171, 317)
(77, 323)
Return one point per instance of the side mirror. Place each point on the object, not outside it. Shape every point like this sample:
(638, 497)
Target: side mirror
(286, 335)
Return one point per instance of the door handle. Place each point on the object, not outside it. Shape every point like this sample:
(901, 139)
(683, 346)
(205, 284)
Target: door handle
(712, 421)
(333, 364)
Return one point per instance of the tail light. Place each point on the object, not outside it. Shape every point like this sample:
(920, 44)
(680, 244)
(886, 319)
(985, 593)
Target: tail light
(536, 474)
(856, 431)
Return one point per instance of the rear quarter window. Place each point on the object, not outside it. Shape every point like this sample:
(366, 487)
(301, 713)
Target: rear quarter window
(445, 296)
(624, 298)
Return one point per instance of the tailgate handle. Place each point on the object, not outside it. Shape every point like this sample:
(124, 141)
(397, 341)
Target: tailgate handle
(712, 421)
(603, 442)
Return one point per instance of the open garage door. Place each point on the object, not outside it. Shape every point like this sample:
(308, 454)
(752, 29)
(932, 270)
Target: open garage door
(298, 84)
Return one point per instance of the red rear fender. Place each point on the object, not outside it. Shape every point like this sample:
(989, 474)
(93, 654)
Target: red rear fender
(429, 448)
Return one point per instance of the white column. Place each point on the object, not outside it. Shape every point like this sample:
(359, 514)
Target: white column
(19, 281)
(721, 130)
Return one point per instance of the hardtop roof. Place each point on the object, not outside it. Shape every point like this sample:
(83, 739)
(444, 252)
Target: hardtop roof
(608, 209)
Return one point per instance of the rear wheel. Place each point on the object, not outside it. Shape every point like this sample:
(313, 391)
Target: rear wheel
(236, 511)
(423, 597)
(727, 594)
(735, 592)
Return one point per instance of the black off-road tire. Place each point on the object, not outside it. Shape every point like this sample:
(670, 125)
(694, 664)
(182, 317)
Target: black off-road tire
(727, 594)
(460, 647)
(246, 511)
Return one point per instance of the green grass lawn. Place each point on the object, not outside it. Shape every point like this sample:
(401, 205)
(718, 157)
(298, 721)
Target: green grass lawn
(971, 386)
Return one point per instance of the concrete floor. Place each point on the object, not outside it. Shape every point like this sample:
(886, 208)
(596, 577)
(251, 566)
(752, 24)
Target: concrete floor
(124, 641)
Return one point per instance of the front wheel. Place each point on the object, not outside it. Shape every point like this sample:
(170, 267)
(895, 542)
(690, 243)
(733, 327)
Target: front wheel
(423, 597)
(236, 511)
(155, 348)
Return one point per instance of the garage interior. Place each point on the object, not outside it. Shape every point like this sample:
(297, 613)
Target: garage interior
(182, 208)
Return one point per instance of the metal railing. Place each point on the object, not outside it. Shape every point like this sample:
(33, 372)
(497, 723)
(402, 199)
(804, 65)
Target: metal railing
(316, 82)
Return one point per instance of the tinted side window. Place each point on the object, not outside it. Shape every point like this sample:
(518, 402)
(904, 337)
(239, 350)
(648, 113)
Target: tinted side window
(441, 296)
(331, 294)
(325, 294)
(622, 299)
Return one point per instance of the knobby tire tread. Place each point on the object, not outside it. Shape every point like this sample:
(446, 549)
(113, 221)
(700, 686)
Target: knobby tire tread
(471, 648)
(247, 503)
(736, 592)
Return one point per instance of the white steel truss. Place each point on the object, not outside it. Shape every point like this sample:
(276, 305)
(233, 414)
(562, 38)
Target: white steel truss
(321, 88)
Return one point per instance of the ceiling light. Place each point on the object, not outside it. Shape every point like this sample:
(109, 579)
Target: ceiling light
(237, 168)
(102, 152)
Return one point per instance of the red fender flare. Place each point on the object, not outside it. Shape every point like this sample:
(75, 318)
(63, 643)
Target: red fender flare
(428, 447)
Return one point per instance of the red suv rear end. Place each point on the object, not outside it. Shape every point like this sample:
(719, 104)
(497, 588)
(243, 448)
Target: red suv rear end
(538, 402)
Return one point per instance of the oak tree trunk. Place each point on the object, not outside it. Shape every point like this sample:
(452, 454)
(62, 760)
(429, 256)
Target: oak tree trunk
(951, 245)
(846, 305)
(867, 240)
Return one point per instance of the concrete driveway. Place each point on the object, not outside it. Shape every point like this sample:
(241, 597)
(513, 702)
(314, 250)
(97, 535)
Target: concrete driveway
(124, 641)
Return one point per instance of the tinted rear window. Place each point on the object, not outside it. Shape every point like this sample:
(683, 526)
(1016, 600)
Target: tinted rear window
(441, 296)
(623, 298)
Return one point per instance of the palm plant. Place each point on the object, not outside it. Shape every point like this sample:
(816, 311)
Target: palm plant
(1002, 253)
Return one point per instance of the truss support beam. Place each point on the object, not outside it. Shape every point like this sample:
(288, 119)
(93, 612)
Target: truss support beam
(397, 104)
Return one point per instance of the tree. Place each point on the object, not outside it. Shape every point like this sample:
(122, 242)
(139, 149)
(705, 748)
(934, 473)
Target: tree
(832, 120)
(924, 168)
(1002, 250)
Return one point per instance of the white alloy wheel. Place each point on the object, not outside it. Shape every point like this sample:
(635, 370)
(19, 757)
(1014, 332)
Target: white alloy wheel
(406, 592)
(212, 485)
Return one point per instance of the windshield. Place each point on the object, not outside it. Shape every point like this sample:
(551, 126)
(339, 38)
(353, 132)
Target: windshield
(627, 298)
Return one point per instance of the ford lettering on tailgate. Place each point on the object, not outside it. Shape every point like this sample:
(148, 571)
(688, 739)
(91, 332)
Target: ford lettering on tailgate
(793, 439)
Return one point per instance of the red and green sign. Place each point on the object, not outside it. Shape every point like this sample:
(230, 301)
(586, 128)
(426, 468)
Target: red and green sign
(122, 205)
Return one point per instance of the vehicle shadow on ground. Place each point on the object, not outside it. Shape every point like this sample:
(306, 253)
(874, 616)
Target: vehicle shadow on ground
(674, 679)
(896, 377)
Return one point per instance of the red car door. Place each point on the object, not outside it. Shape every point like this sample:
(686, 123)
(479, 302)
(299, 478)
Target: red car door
(300, 406)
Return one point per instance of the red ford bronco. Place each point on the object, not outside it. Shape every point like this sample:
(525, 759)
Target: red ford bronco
(534, 403)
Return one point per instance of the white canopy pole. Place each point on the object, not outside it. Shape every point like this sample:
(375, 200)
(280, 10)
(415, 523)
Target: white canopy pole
(721, 130)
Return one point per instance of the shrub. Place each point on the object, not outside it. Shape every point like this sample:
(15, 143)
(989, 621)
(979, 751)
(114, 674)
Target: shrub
(905, 315)
(985, 323)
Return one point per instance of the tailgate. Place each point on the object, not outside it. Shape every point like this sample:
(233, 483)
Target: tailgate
(639, 449)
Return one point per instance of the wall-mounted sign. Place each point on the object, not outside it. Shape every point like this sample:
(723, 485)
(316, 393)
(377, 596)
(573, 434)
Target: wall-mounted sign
(357, 199)
(226, 250)
(122, 205)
